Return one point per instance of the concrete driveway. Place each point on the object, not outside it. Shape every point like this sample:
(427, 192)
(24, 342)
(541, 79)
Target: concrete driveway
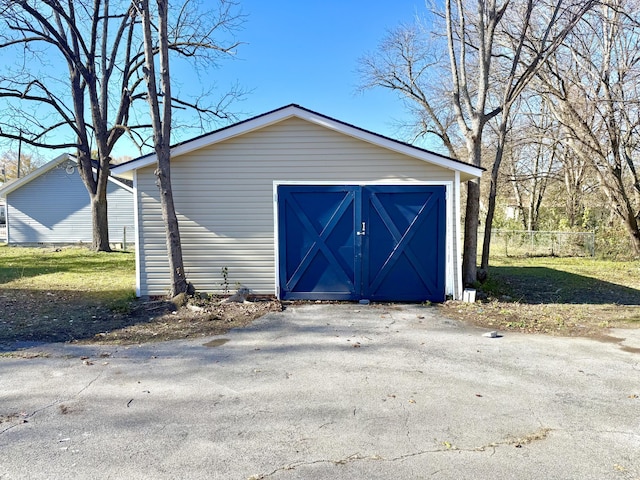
(325, 392)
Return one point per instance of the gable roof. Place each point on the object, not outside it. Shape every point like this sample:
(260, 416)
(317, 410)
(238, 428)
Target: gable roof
(65, 157)
(467, 171)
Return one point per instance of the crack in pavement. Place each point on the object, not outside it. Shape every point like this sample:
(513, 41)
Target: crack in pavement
(447, 447)
(24, 417)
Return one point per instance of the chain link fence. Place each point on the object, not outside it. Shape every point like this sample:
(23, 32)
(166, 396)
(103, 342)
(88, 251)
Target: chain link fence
(521, 243)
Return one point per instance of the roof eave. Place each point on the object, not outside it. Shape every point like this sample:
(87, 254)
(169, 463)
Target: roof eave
(211, 138)
(467, 171)
(10, 187)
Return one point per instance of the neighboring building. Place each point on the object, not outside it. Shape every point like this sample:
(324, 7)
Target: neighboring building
(51, 205)
(3, 222)
(301, 205)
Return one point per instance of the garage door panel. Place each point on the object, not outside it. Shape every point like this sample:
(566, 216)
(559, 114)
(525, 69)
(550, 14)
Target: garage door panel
(319, 276)
(404, 258)
(317, 214)
(398, 208)
(374, 242)
(403, 282)
(316, 231)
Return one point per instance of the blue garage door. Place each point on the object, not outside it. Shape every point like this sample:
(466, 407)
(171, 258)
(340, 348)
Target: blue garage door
(362, 242)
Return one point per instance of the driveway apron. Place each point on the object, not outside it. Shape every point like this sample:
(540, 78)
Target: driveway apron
(326, 391)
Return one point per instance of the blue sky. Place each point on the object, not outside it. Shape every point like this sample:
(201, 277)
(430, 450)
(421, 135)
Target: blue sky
(305, 52)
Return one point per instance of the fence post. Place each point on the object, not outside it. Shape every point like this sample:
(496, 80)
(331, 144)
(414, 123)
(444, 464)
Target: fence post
(532, 244)
(124, 238)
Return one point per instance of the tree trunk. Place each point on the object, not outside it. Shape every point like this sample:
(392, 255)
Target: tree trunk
(571, 200)
(472, 212)
(97, 189)
(472, 215)
(179, 283)
(631, 223)
(488, 225)
(100, 223)
(493, 191)
(161, 122)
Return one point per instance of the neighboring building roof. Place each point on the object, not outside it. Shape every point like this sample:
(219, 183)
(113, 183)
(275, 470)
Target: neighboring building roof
(65, 157)
(467, 171)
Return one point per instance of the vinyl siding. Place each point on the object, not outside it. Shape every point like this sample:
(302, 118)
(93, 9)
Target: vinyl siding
(225, 200)
(55, 208)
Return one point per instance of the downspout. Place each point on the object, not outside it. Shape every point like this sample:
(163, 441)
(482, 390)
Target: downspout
(458, 222)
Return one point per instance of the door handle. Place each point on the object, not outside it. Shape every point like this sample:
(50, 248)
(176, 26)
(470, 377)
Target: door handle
(364, 229)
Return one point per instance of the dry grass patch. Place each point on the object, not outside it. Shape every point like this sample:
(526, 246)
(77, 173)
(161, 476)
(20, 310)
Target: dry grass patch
(558, 296)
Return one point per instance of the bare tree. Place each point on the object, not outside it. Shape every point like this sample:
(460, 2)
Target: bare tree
(160, 107)
(576, 176)
(77, 72)
(16, 165)
(442, 72)
(39, 109)
(534, 31)
(403, 64)
(533, 161)
(411, 61)
(493, 49)
(597, 101)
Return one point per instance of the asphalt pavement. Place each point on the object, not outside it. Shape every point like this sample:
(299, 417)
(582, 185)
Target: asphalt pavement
(322, 391)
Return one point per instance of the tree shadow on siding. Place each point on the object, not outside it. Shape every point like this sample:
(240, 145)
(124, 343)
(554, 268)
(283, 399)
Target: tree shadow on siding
(541, 285)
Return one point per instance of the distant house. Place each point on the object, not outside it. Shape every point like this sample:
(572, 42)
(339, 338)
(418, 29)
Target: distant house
(51, 205)
(3, 221)
(301, 205)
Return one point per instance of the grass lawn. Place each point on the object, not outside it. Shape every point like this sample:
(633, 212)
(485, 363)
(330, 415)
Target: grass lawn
(74, 294)
(100, 275)
(60, 294)
(561, 296)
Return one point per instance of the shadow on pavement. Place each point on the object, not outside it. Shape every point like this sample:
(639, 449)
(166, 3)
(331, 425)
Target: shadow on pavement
(537, 285)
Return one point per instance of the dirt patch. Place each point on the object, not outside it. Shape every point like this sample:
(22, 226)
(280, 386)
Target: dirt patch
(32, 317)
(582, 320)
(198, 318)
(544, 300)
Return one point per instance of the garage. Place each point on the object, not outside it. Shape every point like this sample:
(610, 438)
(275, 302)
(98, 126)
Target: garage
(351, 242)
(299, 205)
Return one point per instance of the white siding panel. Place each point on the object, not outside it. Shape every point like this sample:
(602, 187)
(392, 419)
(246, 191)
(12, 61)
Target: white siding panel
(224, 199)
(120, 213)
(55, 208)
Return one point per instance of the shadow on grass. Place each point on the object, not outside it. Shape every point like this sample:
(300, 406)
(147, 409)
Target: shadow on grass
(538, 285)
(29, 317)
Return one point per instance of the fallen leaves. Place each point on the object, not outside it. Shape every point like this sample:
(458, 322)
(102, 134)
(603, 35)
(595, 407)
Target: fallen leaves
(585, 320)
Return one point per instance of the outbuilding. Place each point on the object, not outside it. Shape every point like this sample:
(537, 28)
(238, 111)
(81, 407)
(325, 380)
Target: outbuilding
(304, 206)
(51, 206)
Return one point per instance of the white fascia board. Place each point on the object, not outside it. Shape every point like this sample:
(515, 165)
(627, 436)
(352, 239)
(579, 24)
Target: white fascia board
(118, 183)
(10, 187)
(126, 170)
